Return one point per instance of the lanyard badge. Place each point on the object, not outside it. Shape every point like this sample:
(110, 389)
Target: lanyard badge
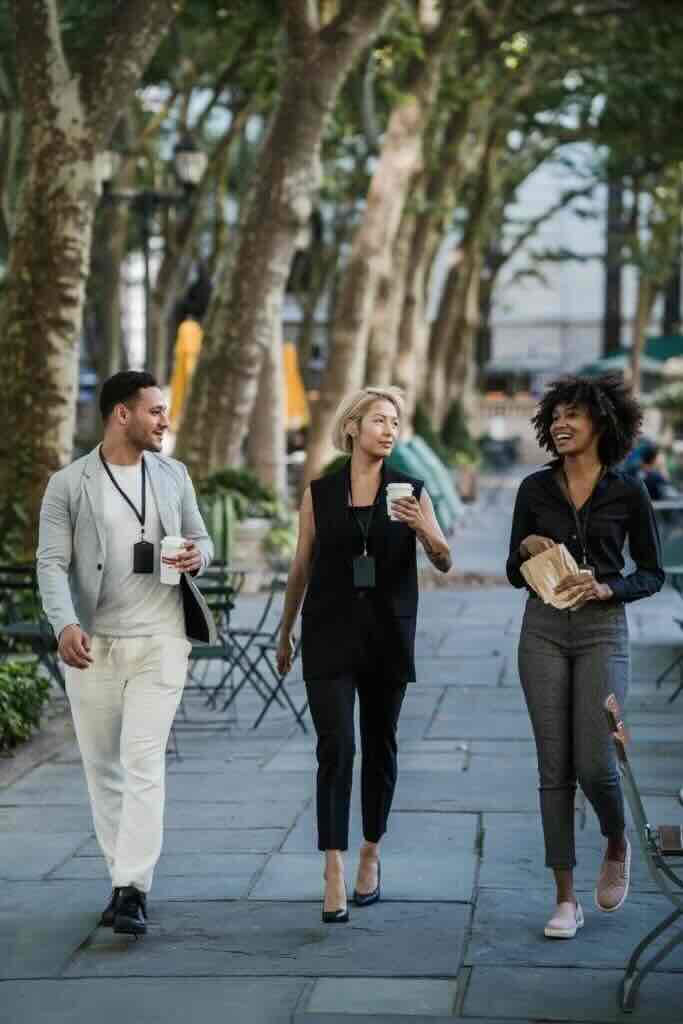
(143, 551)
(363, 565)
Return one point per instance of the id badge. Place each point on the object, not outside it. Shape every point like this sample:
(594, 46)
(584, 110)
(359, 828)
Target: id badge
(143, 557)
(364, 572)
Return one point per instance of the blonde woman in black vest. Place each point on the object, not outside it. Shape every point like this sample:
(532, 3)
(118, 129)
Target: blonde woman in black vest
(358, 570)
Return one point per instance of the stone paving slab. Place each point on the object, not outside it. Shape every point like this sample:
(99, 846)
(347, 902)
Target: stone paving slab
(485, 671)
(48, 785)
(299, 761)
(445, 877)
(504, 725)
(152, 1001)
(246, 840)
(54, 820)
(272, 939)
(24, 858)
(263, 814)
(514, 858)
(508, 929)
(234, 870)
(42, 923)
(558, 994)
(410, 832)
(488, 785)
(401, 996)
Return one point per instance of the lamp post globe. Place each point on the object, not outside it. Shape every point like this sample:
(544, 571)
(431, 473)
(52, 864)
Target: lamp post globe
(190, 162)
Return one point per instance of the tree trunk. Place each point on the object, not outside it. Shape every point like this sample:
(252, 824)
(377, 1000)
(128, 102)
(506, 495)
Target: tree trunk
(372, 250)
(461, 371)
(386, 318)
(266, 442)
(647, 293)
(67, 116)
(245, 314)
(611, 326)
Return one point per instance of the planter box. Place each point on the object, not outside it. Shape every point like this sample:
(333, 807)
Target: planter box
(248, 553)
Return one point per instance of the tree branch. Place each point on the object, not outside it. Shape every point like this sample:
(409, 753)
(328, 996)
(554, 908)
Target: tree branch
(130, 37)
(40, 62)
(301, 19)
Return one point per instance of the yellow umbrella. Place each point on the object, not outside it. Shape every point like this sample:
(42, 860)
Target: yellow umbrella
(187, 348)
(298, 414)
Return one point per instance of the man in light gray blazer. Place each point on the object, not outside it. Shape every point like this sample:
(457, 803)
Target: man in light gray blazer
(123, 634)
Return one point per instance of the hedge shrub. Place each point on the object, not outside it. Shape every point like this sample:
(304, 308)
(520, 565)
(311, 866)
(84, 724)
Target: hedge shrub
(23, 692)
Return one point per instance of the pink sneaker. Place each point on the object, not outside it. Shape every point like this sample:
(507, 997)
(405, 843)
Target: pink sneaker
(613, 882)
(565, 922)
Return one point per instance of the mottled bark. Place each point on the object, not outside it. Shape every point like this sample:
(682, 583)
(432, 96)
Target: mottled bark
(49, 258)
(266, 443)
(457, 318)
(648, 290)
(612, 316)
(245, 314)
(386, 317)
(399, 161)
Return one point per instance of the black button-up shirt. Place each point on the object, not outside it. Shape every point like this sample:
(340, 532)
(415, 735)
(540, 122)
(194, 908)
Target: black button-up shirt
(620, 509)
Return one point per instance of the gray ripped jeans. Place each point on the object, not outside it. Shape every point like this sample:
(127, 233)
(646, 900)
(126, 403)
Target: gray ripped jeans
(568, 663)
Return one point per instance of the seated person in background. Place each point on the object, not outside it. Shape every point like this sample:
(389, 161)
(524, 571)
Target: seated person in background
(653, 473)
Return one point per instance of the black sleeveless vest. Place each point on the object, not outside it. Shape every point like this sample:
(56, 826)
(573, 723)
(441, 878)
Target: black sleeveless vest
(329, 606)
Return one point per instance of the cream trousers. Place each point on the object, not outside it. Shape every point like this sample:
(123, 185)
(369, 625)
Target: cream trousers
(123, 708)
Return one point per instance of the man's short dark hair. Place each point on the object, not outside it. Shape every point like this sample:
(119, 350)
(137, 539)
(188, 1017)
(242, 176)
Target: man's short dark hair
(610, 403)
(123, 387)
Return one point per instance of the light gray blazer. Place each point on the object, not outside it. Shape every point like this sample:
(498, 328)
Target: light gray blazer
(72, 543)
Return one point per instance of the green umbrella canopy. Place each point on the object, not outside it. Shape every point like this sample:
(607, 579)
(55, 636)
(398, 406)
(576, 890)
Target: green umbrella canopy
(667, 346)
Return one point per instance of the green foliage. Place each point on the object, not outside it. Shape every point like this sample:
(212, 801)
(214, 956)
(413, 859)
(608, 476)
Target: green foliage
(456, 436)
(423, 427)
(23, 693)
(249, 496)
(280, 542)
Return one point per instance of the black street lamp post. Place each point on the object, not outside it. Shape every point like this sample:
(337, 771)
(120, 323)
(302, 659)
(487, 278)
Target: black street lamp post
(189, 164)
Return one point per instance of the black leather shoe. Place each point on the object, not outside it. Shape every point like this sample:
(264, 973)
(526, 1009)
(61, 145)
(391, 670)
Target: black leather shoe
(130, 917)
(335, 916)
(107, 918)
(364, 899)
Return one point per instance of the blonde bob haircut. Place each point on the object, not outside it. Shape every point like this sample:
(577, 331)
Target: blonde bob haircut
(353, 408)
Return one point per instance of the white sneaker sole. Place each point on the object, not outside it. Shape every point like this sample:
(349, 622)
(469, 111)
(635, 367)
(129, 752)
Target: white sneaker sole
(565, 933)
(613, 910)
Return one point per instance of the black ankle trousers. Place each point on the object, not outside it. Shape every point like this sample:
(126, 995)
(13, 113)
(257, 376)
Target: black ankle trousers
(332, 705)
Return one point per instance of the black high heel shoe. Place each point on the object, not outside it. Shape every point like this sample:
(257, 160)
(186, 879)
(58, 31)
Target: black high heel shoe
(364, 899)
(340, 916)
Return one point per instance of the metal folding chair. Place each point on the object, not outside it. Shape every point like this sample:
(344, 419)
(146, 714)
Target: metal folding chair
(279, 690)
(242, 642)
(658, 845)
(22, 620)
(669, 515)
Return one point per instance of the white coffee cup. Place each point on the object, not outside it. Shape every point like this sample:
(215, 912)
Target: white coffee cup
(395, 491)
(171, 547)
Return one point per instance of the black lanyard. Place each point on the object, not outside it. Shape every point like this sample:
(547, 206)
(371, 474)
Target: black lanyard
(582, 528)
(364, 527)
(140, 516)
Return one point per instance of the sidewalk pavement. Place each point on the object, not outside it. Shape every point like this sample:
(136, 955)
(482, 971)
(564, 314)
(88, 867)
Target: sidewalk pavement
(235, 931)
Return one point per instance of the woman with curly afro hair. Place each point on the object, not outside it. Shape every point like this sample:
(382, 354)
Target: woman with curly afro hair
(571, 659)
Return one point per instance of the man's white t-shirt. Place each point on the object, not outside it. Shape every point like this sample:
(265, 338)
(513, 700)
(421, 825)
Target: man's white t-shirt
(133, 604)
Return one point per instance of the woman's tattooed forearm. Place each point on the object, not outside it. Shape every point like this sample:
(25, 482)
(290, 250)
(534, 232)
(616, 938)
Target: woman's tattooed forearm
(439, 558)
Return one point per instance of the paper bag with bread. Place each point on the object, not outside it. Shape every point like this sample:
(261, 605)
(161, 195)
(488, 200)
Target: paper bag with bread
(543, 573)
